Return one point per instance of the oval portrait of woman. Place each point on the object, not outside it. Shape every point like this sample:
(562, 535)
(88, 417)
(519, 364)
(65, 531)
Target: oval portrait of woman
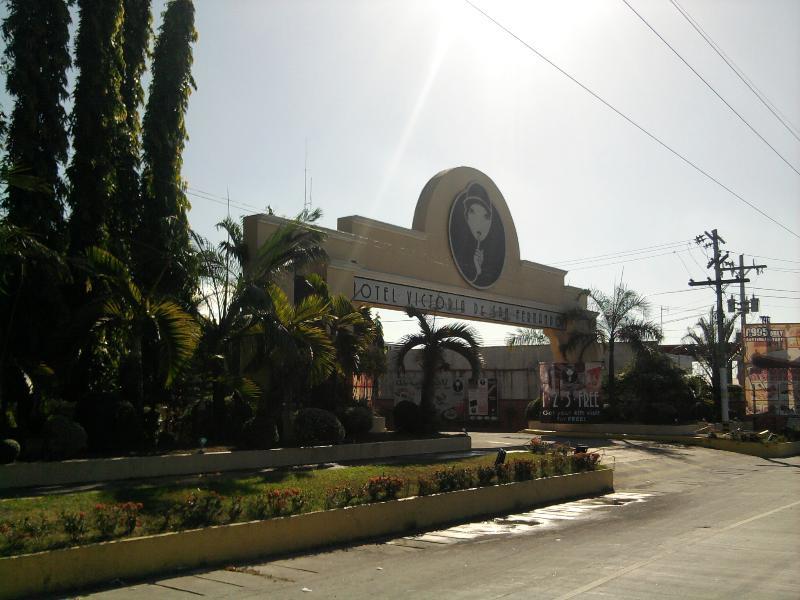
(477, 236)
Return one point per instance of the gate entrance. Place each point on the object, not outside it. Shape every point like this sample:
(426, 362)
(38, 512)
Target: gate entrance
(460, 259)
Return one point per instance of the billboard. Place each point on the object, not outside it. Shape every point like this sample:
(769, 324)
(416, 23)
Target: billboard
(570, 392)
(772, 367)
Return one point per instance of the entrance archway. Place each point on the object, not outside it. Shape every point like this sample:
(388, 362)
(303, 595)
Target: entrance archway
(460, 259)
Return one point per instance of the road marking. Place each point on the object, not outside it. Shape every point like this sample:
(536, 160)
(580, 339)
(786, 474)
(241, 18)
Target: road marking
(598, 582)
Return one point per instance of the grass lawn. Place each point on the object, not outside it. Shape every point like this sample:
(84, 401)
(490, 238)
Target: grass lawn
(29, 524)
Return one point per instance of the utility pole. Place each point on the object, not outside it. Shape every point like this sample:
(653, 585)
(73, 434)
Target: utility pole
(717, 262)
(745, 306)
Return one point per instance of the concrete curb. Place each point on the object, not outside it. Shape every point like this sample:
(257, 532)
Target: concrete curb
(22, 475)
(72, 568)
(762, 450)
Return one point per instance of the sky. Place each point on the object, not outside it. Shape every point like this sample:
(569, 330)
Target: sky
(374, 97)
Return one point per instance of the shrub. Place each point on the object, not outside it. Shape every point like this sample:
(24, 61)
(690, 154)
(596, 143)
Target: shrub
(407, 417)
(536, 445)
(340, 496)
(314, 426)
(13, 533)
(74, 525)
(559, 461)
(238, 411)
(585, 461)
(129, 516)
(17, 533)
(523, 470)
(534, 410)
(383, 487)
(357, 420)
(448, 480)
(199, 509)
(503, 473)
(260, 432)
(9, 451)
(276, 503)
(426, 486)
(127, 428)
(63, 438)
(485, 476)
(166, 440)
(107, 517)
(235, 508)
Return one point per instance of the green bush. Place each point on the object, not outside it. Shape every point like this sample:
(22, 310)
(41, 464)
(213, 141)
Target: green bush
(448, 480)
(259, 433)
(314, 426)
(9, 451)
(357, 420)
(129, 433)
(534, 410)
(407, 417)
(238, 411)
(63, 438)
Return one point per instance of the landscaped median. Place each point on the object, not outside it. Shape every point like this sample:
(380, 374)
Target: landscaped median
(376, 514)
(679, 434)
(68, 472)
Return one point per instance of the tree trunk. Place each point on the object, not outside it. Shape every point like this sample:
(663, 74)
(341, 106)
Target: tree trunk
(611, 373)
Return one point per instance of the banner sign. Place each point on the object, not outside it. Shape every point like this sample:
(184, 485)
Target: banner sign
(455, 398)
(399, 296)
(570, 392)
(772, 367)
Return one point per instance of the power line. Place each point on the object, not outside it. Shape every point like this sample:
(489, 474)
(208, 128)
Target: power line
(716, 93)
(619, 262)
(628, 119)
(622, 253)
(735, 68)
(774, 290)
(225, 203)
(673, 292)
(778, 259)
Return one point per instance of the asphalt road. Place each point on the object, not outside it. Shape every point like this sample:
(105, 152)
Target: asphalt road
(684, 522)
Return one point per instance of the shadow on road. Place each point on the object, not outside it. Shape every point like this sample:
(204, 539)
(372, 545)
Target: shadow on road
(659, 448)
(782, 463)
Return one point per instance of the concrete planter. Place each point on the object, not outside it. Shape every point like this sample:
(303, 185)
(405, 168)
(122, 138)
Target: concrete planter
(72, 568)
(667, 433)
(768, 450)
(600, 429)
(20, 475)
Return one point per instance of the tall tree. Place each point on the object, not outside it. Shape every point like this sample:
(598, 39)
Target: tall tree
(164, 253)
(433, 341)
(701, 342)
(622, 317)
(134, 39)
(36, 34)
(97, 122)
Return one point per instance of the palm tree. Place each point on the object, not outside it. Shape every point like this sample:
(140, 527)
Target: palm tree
(353, 333)
(525, 336)
(701, 343)
(235, 298)
(459, 338)
(621, 317)
(20, 252)
(140, 318)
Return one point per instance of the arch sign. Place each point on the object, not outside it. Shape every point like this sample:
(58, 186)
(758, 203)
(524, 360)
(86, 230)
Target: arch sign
(460, 258)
